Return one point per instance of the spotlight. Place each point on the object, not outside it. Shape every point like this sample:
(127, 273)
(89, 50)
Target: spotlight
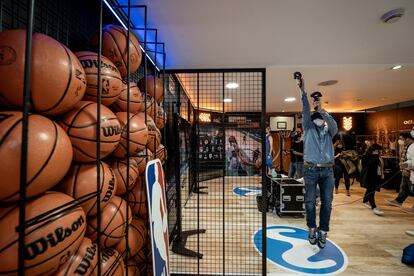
(227, 100)
(396, 67)
(291, 99)
(232, 85)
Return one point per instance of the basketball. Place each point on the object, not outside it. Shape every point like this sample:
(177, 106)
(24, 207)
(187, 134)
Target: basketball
(138, 134)
(155, 86)
(149, 106)
(80, 125)
(160, 117)
(84, 262)
(136, 99)
(114, 47)
(161, 153)
(154, 135)
(144, 255)
(119, 166)
(80, 183)
(136, 238)
(49, 154)
(137, 198)
(111, 82)
(113, 223)
(112, 264)
(57, 77)
(133, 268)
(50, 242)
(141, 160)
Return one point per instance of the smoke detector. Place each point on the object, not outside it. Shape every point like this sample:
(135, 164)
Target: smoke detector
(392, 16)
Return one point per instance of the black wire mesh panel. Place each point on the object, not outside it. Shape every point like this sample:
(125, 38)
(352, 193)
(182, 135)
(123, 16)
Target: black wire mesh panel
(227, 153)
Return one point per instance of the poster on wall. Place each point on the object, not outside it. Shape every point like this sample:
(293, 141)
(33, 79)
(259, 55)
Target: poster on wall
(243, 152)
(158, 214)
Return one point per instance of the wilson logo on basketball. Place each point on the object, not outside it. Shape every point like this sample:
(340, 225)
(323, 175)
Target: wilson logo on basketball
(40, 246)
(111, 130)
(89, 63)
(110, 190)
(107, 254)
(85, 264)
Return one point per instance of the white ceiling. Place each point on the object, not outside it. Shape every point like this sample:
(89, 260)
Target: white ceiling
(325, 39)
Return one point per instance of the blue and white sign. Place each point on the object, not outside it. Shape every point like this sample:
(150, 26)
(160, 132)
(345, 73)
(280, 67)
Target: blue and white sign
(157, 206)
(247, 191)
(288, 248)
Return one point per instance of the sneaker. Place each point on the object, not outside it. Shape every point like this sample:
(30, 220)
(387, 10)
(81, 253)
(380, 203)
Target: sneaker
(410, 232)
(312, 236)
(377, 211)
(394, 203)
(322, 239)
(367, 205)
(348, 193)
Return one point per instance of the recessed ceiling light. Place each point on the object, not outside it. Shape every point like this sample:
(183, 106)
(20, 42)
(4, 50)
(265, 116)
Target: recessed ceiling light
(290, 99)
(232, 85)
(396, 67)
(227, 100)
(393, 15)
(328, 82)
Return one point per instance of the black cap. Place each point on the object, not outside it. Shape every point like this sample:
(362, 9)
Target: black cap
(316, 115)
(316, 94)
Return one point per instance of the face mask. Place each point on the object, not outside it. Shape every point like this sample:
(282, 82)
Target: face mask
(400, 142)
(412, 133)
(318, 122)
(340, 147)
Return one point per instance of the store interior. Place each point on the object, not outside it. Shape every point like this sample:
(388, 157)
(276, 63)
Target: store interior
(208, 88)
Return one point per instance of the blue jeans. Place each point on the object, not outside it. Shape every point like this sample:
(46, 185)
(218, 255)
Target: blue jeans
(324, 178)
(296, 167)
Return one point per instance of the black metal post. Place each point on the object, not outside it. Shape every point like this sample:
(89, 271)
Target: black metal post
(98, 141)
(223, 117)
(264, 177)
(25, 130)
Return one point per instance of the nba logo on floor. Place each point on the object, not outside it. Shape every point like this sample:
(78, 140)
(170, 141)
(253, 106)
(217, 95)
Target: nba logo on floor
(157, 206)
(288, 248)
(247, 191)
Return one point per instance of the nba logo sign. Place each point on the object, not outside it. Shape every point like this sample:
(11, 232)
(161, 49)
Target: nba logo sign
(157, 206)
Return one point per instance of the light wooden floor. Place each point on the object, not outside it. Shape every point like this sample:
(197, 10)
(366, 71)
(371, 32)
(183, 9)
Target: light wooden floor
(373, 244)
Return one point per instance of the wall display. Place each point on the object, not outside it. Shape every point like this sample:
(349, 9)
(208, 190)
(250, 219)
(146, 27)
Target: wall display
(55, 86)
(49, 154)
(282, 123)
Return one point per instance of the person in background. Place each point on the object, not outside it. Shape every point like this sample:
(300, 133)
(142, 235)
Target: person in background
(319, 129)
(296, 156)
(269, 151)
(406, 140)
(410, 166)
(339, 168)
(372, 173)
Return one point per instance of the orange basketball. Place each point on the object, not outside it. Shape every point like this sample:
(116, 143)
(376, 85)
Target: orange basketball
(141, 159)
(137, 198)
(144, 255)
(84, 262)
(119, 166)
(161, 153)
(112, 264)
(136, 99)
(133, 268)
(50, 242)
(80, 124)
(154, 135)
(136, 238)
(149, 106)
(57, 77)
(154, 87)
(160, 117)
(80, 183)
(49, 154)
(138, 134)
(113, 223)
(111, 82)
(114, 47)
